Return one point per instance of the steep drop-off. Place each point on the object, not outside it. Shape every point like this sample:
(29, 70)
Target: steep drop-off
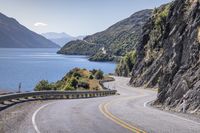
(168, 55)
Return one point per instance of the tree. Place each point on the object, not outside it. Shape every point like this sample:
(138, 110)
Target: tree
(73, 82)
(126, 64)
(99, 74)
(44, 85)
(91, 76)
(93, 71)
(83, 84)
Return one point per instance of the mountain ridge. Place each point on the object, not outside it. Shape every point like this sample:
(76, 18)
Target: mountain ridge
(60, 38)
(115, 40)
(15, 35)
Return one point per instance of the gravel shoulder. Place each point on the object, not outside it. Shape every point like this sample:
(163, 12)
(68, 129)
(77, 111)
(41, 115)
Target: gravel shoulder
(12, 117)
(193, 117)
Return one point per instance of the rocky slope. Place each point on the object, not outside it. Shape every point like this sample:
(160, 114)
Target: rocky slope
(15, 35)
(168, 55)
(116, 40)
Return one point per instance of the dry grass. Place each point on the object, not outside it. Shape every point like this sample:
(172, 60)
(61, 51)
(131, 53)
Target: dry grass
(94, 84)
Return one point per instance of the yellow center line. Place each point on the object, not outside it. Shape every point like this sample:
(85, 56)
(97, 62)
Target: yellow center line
(104, 110)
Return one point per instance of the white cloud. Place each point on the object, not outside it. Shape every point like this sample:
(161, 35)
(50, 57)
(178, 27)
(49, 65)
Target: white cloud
(37, 24)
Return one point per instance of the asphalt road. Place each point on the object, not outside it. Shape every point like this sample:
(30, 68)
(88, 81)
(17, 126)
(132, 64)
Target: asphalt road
(124, 113)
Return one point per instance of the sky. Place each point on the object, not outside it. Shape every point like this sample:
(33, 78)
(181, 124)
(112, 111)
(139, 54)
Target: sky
(74, 17)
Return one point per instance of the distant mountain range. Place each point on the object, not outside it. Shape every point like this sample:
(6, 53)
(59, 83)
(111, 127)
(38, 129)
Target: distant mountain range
(15, 35)
(115, 41)
(60, 38)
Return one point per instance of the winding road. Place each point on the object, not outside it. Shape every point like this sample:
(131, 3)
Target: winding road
(124, 113)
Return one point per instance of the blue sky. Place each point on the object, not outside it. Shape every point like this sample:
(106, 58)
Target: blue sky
(75, 17)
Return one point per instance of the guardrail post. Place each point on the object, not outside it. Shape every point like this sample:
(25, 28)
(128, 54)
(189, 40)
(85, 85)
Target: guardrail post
(53, 95)
(65, 97)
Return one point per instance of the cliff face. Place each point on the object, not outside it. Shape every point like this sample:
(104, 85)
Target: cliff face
(116, 40)
(168, 55)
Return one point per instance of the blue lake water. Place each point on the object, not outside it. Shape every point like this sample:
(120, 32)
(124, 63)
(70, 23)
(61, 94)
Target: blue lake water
(29, 66)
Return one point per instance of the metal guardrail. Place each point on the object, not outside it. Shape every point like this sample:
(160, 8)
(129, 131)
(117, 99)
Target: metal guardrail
(14, 98)
(103, 81)
(43, 95)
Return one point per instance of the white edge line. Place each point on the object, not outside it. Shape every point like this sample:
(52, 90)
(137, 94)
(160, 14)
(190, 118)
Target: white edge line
(194, 122)
(145, 104)
(34, 117)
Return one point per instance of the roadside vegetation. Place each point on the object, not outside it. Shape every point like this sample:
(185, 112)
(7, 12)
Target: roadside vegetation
(126, 64)
(102, 57)
(76, 79)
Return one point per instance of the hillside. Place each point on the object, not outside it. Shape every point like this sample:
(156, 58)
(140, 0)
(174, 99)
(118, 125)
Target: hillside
(75, 79)
(116, 40)
(167, 56)
(15, 35)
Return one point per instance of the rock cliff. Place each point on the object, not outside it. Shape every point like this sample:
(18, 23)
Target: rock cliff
(168, 55)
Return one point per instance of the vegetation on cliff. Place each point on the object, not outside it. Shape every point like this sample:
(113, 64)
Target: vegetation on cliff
(125, 66)
(76, 79)
(102, 57)
(168, 55)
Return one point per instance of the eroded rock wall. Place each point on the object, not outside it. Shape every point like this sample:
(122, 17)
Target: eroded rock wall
(168, 55)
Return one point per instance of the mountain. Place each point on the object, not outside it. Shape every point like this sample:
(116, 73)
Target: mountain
(60, 38)
(168, 56)
(15, 35)
(115, 41)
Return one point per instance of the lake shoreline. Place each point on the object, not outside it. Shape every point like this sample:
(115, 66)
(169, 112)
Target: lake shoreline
(29, 66)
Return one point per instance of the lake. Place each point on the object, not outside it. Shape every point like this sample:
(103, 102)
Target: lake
(29, 66)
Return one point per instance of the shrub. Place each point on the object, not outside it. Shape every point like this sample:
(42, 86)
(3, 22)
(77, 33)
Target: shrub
(44, 85)
(76, 74)
(83, 84)
(126, 64)
(73, 82)
(91, 76)
(99, 74)
(162, 15)
(68, 87)
(93, 71)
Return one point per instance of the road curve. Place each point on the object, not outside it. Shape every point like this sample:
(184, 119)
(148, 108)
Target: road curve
(124, 113)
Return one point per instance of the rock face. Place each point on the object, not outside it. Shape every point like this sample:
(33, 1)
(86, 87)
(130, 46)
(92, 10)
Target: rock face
(15, 35)
(116, 40)
(168, 55)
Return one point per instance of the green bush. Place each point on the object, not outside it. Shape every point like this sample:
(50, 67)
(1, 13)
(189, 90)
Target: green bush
(91, 76)
(68, 87)
(126, 64)
(99, 74)
(161, 15)
(93, 71)
(73, 82)
(76, 74)
(83, 84)
(44, 85)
